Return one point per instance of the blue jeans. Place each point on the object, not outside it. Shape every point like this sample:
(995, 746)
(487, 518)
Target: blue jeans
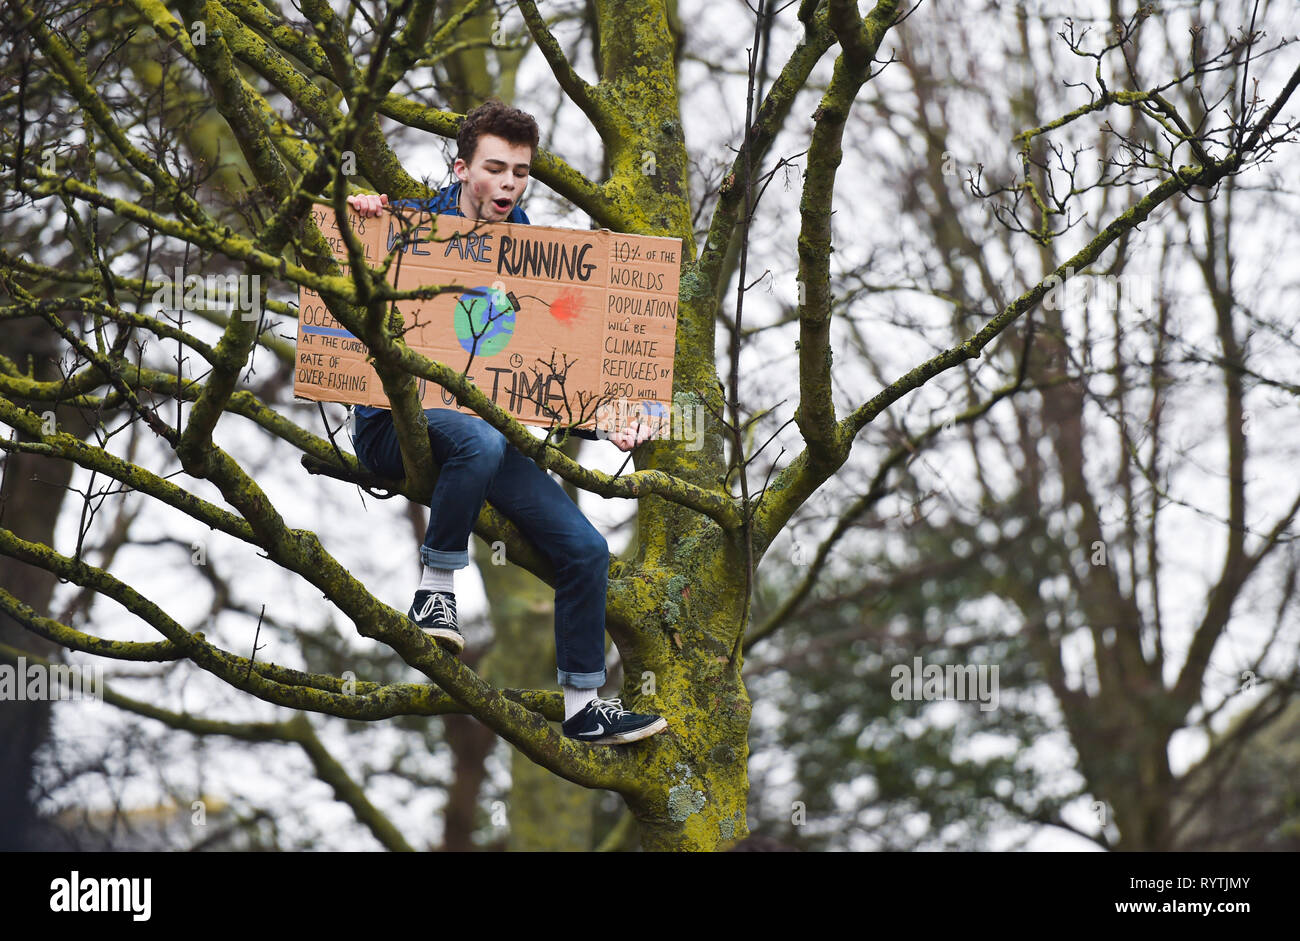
(475, 462)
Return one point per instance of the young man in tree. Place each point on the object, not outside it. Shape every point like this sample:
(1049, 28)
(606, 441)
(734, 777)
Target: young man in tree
(496, 147)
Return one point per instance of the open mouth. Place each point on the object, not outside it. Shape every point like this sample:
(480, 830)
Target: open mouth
(503, 204)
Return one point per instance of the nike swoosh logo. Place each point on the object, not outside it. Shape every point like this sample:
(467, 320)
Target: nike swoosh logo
(599, 729)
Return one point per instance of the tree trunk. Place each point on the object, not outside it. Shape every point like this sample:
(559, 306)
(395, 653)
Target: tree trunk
(33, 492)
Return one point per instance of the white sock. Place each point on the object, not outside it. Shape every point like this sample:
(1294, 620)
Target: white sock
(575, 700)
(432, 579)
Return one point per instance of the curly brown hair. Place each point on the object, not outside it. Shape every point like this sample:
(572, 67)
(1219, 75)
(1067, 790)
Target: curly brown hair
(495, 117)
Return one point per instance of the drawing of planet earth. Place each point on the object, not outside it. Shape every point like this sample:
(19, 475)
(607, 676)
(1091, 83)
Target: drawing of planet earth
(484, 316)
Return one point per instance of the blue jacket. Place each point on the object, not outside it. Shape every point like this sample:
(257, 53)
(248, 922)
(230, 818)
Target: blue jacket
(447, 203)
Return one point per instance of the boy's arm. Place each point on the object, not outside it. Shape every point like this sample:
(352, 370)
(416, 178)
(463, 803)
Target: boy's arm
(369, 205)
(626, 439)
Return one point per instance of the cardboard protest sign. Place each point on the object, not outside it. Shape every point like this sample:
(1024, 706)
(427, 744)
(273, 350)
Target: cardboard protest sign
(554, 325)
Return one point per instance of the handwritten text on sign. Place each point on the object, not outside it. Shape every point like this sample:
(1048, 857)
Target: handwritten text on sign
(547, 322)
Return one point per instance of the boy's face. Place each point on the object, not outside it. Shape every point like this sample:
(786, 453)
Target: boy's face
(495, 179)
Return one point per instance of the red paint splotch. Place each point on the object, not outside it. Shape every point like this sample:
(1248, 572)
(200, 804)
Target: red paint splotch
(567, 306)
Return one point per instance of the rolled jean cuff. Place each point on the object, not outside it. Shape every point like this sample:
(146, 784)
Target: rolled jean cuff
(581, 680)
(439, 559)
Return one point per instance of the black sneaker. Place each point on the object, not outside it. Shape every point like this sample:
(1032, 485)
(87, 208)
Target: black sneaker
(606, 722)
(434, 612)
